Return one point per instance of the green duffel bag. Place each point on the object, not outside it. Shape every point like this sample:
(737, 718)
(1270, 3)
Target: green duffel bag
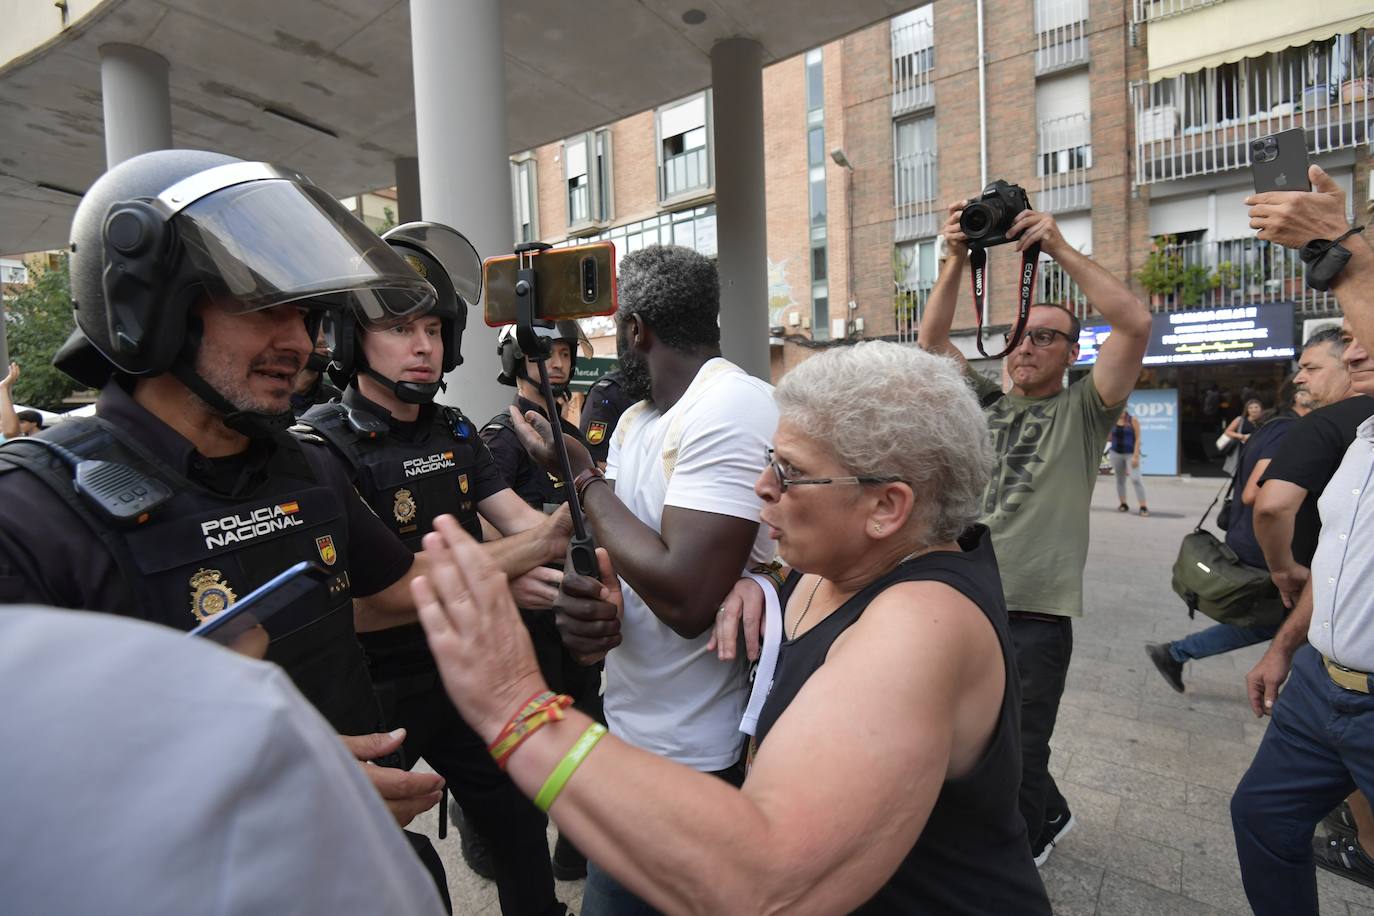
(1210, 578)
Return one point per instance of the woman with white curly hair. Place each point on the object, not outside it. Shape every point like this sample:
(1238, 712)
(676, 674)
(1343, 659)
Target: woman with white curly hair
(888, 762)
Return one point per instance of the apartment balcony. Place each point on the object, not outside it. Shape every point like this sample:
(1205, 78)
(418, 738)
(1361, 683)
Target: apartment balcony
(913, 68)
(1054, 285)
(684, 173)
(908, 308)
(1155, 10)
(1233, 272)
(1201, 123)
(1061, 35)
(1066, 155)
(918, 212)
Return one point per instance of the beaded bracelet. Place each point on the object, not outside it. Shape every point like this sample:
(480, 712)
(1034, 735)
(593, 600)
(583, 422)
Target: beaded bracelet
(570, 762)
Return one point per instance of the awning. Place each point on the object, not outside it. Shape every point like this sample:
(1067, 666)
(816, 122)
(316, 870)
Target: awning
(1224, 33)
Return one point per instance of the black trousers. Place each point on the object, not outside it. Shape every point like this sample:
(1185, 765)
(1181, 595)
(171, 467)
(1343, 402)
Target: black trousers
(1043, 649)
(413, 698)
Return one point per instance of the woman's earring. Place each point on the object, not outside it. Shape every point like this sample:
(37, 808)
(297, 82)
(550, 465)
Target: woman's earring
(878, 529)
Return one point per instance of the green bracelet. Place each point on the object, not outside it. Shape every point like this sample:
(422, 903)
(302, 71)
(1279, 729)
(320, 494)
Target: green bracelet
(570, 762)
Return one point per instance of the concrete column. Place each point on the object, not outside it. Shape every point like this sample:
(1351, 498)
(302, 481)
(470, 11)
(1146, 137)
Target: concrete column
(741, 206)
(137, 102)
(460, 127)
(407, 189)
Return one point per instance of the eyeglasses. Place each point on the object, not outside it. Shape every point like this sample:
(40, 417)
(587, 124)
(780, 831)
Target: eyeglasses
(785, 482)
(1041, 337)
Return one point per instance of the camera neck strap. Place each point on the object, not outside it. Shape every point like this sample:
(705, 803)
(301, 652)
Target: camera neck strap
(978, 261)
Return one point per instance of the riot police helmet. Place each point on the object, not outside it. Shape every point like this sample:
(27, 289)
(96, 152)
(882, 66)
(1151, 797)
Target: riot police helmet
(449, 262)
(513, 357)
(164, 231)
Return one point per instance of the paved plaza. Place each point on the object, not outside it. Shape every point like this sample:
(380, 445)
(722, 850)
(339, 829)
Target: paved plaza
(1148, 772)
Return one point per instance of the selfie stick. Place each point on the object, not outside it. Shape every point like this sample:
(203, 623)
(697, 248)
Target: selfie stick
(582, 548)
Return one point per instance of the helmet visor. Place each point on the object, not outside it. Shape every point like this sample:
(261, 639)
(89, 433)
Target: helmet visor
(264, 243)
(451, 249)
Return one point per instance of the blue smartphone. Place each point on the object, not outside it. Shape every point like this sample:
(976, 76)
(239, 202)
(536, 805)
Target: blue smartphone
(259, 605)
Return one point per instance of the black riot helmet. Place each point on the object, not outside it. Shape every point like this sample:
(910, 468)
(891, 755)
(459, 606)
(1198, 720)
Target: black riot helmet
(448, 261)
(159, 233)
(513, 358)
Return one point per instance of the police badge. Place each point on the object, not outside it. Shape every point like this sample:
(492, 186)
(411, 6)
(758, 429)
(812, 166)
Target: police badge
(463, 482)
(596, 431)
(325, 545)
(210, 594)
(404, 508)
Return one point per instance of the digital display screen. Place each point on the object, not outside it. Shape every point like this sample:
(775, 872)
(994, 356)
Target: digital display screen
(1222, 335)
(1207, 336)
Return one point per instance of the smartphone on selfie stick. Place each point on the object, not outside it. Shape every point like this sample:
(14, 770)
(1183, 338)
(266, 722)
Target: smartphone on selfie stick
(543, 284)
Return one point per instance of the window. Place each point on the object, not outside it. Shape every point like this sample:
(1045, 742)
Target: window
(1062, 104)
(815, 177)
(914, 152)
(684, 147)
(587, 174)
(915, 266)
(913, 44)
(525, 199)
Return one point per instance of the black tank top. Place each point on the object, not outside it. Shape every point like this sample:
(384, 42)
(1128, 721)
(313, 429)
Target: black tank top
(972, 857)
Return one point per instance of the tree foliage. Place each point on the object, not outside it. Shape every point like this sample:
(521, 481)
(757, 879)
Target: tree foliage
(37, 322)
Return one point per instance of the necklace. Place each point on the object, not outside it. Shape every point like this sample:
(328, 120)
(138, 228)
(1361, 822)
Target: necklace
(817, 587)
(805, 610)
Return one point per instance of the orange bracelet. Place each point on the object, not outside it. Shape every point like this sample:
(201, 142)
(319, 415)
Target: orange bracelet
(527, 708)
(534, 715)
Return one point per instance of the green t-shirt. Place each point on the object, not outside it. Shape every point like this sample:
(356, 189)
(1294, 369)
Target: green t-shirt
(1036, 505)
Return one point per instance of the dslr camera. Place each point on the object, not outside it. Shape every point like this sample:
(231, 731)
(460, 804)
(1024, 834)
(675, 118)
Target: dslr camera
(987, 217)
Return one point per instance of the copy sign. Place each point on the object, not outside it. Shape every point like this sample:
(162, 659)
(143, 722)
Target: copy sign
(1157, 411)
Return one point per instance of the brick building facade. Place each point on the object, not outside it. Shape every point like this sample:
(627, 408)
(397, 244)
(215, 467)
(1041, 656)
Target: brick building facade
(869, 137)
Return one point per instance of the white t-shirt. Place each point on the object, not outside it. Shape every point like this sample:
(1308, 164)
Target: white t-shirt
(667, 694)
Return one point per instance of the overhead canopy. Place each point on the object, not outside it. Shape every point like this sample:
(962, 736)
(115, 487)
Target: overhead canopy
(1224, 33)
(326, 86)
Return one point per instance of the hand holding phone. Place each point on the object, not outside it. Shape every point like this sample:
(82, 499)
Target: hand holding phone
(235, 623)
(1279, 162)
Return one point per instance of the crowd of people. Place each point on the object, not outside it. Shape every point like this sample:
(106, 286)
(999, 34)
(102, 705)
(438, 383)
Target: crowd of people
(819, 665)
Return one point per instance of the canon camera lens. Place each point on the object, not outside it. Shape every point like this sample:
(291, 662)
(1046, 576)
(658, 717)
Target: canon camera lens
(980, 218)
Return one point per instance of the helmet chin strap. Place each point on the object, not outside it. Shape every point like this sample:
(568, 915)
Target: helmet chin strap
(408, 392)
(253, 424)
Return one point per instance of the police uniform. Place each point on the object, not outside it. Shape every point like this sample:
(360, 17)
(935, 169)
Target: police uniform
(541, 489)
(601, 411)
(232, 524)
(410, 473)
(544, 491)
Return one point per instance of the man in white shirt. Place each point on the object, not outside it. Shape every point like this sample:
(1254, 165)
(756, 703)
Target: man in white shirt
(677, 512)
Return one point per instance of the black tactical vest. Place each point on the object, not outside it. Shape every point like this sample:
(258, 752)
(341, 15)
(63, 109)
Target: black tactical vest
(201, 551)
(408, 484)
(533, 484)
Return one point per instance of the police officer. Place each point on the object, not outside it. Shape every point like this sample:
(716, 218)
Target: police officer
(312, 384)
(198, 281)
(413, 460)
(546, 491)
(539, 488)
(601, 411)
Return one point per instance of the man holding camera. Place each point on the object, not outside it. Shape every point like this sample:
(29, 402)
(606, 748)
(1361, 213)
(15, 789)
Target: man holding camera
(1048, 442)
